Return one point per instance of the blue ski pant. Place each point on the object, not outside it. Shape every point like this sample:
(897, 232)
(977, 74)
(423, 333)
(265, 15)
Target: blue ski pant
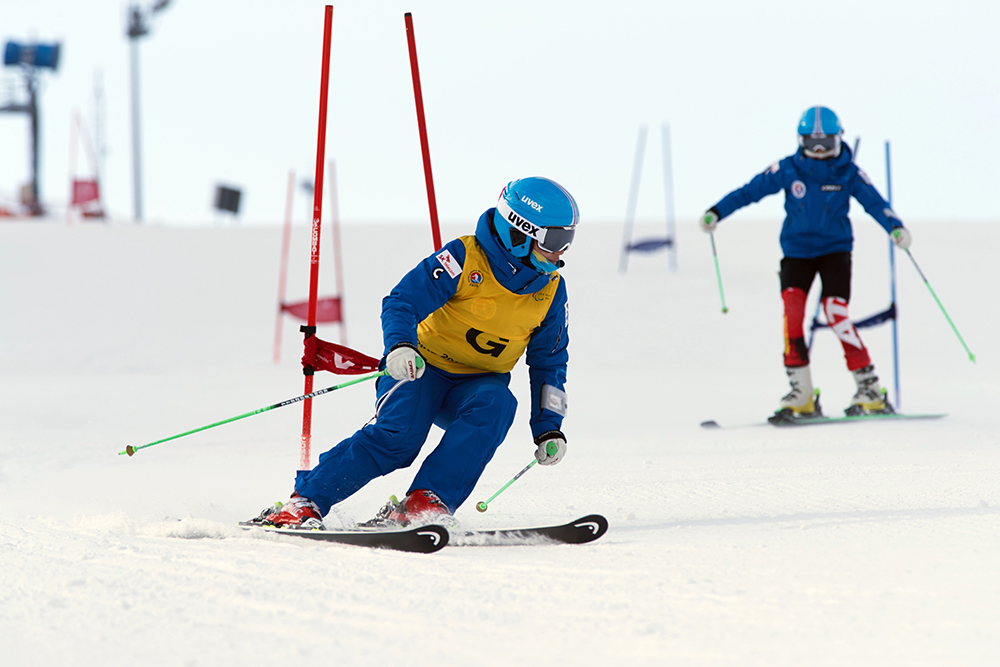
(475, 411)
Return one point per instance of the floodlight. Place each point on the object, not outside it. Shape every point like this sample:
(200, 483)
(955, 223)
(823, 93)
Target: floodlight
(33, 55)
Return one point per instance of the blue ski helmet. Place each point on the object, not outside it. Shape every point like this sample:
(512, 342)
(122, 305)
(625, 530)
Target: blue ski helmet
(819, 133)
(538, 209)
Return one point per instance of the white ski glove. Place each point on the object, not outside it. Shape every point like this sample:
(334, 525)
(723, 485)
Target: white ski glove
(404, 363)
(709, 220)
(551, 448)
(902, 237)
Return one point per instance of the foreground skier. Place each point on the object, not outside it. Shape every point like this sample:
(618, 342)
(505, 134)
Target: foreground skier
(819, 181)
(453, 329)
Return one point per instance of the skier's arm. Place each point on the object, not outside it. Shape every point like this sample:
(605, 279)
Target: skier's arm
(427, 287)
(547, 357)
(872, 201)
(768, 182)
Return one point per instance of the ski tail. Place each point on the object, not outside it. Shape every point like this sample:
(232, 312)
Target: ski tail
(585, 529)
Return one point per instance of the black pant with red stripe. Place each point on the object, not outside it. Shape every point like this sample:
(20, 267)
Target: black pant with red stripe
(797, 276)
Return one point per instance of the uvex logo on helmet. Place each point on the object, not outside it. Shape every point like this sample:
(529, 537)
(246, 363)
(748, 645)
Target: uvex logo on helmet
(522, 224)
(532, 203)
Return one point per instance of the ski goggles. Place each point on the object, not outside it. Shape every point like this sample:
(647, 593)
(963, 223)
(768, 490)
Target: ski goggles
(556, 239)
(550, 239)
(822, 143)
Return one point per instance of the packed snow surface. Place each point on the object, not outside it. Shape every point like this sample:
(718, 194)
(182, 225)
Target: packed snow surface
(851, 544)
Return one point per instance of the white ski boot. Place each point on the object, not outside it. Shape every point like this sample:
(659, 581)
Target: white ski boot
(870, 398)
(802, 402)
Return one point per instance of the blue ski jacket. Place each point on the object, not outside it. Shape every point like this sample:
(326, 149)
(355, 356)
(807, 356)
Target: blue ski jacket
(817, 198)
(527, 311)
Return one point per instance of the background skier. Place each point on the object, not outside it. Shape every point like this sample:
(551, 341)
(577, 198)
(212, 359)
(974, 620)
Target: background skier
(453, 328)
(819, 179)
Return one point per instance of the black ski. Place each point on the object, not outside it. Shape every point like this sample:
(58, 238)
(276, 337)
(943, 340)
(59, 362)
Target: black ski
(431, 538)
(585, 529)
(775, 420)
(423, 539)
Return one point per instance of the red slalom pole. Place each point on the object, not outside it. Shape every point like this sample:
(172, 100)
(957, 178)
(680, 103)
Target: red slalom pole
(424, 148)
(310, 328)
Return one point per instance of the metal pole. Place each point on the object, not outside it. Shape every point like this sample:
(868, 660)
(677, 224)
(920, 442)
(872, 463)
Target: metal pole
(892, 284)
(484, 505)
(310, 329)
(668, 190)
(286, 235)
(132, 449)
(36, 204)
(338, 263)
(136, 150)
(718, 274)
(99, 150)
(633, 197)
(815, 317)
(944, 312)
(425, 150)
(74, 125)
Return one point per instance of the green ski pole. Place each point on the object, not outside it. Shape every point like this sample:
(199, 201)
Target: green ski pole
(972, 357)
(130, 450)
(718, 275)
(482, 506)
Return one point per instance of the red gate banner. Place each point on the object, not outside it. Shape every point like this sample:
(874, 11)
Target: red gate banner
(335, 358)
(85, 191)
(327, 310)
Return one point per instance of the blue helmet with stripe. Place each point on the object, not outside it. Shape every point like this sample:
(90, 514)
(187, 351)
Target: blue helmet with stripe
(535, 209)
(819, 133)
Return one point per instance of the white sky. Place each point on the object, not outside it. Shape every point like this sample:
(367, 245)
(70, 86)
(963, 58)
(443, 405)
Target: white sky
(230, 95)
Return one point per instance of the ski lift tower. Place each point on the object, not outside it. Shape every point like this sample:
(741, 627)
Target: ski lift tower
(31, 58)
(138, 26)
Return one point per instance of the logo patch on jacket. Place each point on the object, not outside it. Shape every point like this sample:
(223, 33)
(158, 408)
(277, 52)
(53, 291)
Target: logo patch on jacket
(475, 278)
(798, 189)
(834, 187)
(448, 262)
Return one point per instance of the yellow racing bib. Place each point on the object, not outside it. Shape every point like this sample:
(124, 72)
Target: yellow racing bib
(484, 327)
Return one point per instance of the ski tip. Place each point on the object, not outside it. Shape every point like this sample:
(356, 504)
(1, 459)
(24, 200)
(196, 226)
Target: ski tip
(435, 538)
(590, 528)
(711, 423)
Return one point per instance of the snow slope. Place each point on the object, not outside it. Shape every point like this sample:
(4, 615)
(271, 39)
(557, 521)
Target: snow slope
(861, 544)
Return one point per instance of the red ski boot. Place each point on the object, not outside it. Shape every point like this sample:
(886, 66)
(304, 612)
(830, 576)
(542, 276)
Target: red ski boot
(420, 506)
(298, 512)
